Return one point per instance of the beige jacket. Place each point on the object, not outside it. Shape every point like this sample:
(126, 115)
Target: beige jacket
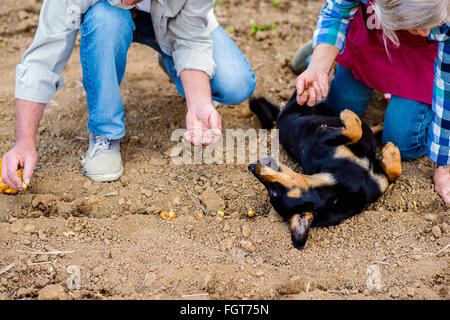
(182, 29)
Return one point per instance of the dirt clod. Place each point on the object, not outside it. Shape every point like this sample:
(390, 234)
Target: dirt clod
(52, 292)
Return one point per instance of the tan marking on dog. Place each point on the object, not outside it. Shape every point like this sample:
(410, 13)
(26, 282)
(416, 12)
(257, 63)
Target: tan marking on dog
(293, 223)
(294, 193)
(293, 180)
(352, 123)
(343, 152)
(391, 161)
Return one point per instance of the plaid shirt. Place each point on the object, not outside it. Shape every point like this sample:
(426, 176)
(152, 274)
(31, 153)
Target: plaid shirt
(332, 28)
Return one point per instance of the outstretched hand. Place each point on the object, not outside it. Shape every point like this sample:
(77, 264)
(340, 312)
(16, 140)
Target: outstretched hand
(204, 125)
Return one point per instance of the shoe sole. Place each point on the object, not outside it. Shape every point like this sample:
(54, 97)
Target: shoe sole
(298, 63)
(105, 177)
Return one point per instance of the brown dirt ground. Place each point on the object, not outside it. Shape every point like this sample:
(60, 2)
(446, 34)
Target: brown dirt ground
(123, 248)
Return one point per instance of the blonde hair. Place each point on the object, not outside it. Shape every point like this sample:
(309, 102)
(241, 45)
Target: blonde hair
(410, 14)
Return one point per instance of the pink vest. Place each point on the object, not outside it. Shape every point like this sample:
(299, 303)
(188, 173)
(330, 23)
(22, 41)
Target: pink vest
(407, 72)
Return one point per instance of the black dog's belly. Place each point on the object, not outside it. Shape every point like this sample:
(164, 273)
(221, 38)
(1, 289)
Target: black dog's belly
(355, 186)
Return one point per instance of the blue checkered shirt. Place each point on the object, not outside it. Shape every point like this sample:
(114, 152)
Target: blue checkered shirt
(332, 28)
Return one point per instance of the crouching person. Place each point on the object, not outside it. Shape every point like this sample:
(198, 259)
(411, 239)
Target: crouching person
(201, 59)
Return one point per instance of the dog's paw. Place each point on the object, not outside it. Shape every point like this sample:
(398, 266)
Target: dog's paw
(391, 161)
(352, 126)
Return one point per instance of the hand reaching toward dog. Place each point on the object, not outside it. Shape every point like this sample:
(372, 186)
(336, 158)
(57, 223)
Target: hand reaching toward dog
(441, 179)
(312, 86)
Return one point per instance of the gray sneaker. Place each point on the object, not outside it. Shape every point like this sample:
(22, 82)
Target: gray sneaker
(298, 63)
(102, 162)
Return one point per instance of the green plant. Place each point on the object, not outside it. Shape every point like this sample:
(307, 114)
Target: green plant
(256, 28)
(218, 3)
(230, 29)
(275, 3)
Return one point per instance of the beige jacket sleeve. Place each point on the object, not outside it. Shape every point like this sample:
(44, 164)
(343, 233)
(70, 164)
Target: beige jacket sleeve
(190, 37)
(38, 74)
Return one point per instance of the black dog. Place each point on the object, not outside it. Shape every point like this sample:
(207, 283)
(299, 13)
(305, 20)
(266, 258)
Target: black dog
(341, 171)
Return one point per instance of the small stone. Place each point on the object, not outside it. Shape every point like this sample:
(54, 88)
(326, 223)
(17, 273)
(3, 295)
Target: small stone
(26, 292)
(41, 235)
(230, 194)
(114, 253)
(212, 201)
(430, 217)
(16, 227)
(247, 245)
(226, 227)
(52, 292)
(246, 230)
(22, 14)
(153, 210)
(87, 185)
(326, 243)
(436, 230)
(99, 271)
(43, 258)
(259, 273)
(135, 140)
(68, 197)
(29, 228)
(146, 193)
(150, 279)
(411, 291)
(121, 202)
(36, 214)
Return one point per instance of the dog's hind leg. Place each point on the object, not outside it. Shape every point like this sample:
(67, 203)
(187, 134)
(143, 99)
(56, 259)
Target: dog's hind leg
(391, 161)
(266, 112)
(333, 134)
(352, 126)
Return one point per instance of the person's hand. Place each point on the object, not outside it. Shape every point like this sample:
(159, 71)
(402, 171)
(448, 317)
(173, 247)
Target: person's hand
(312, 86)
(204, 125)
(441, 179)
(22, 156)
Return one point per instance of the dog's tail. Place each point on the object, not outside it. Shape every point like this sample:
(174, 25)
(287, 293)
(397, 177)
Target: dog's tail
(266, 111)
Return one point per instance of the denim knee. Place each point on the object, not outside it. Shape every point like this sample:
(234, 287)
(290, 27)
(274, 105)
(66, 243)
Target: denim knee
(348, 93)
(406, 125)
(237, 89)
(107, 22)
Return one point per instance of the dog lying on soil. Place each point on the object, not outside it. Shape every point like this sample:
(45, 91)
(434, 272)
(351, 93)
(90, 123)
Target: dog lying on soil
(338, 154)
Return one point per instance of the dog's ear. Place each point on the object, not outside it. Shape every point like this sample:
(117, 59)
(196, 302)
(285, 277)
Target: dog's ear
(300, 224)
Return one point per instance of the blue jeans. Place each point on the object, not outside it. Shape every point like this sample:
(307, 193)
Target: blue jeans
(106, 35)
(406, 122)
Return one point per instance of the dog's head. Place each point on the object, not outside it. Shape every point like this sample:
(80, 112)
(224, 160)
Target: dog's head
(290, 194)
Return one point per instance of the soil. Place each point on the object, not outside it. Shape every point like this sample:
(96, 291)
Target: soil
(69, 238)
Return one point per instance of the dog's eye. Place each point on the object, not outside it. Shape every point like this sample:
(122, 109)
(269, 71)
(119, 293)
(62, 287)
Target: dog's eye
(273, 193)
